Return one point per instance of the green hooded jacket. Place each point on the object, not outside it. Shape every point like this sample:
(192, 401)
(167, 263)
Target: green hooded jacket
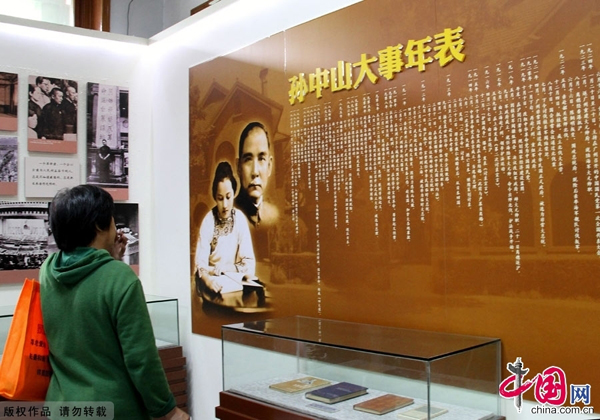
(100, 337)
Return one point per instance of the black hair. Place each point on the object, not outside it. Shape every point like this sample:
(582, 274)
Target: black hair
(251, 126)
(75, 214)
(222, 173)
(54, 90)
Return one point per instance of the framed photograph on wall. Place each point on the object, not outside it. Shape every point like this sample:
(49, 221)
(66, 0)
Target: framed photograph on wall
(52, 115)
(9, 165)
(9, 101)
(26, 241)
(108, 138)
(23, 239)
(127, 221)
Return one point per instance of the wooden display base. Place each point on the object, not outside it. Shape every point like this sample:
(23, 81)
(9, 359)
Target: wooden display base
(236, 407)
(174, 365)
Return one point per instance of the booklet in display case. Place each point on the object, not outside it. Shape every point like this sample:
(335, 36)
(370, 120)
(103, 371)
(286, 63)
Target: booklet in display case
(299, 385)
(383, 404)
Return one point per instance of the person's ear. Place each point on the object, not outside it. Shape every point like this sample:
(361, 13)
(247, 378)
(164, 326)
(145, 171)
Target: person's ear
(270, 167)
(98, 229)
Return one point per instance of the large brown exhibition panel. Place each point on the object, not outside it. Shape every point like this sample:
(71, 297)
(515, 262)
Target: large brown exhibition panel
(435, 166)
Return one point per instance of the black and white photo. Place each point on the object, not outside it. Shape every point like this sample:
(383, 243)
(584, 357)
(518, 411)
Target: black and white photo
(9, 101)
(108, 138)
(23, 239)
(52, 115)
(9, 165)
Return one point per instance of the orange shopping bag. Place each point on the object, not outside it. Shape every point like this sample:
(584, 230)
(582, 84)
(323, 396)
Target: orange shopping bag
(25, 367)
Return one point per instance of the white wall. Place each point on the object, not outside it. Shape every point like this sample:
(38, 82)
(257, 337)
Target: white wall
(75, 54)
(158, 79)
(55, 11)
(177, 10)
(146, 17)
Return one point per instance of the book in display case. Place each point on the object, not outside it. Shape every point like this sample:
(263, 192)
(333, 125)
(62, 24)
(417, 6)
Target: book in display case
(302, 368)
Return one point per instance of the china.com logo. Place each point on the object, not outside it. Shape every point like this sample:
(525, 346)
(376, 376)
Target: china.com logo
(550, 390)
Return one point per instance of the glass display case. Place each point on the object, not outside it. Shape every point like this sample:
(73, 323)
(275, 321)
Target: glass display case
(275, 362)
(164, 314)
(6, 314)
